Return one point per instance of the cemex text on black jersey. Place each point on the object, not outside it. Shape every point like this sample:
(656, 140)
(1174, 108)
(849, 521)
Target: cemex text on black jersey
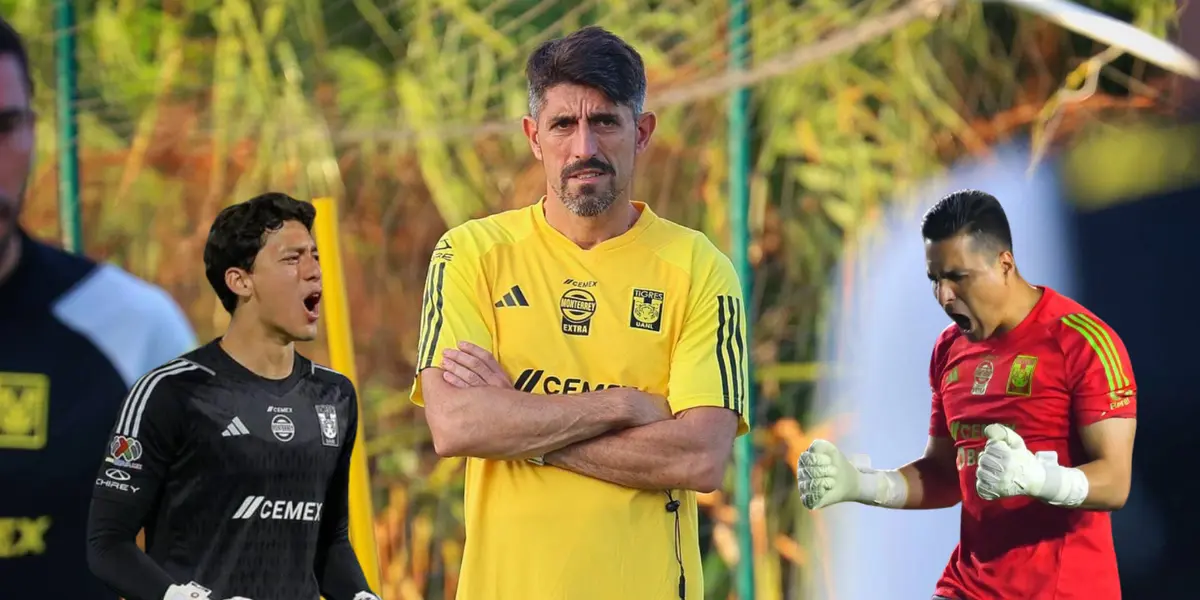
(240, 483)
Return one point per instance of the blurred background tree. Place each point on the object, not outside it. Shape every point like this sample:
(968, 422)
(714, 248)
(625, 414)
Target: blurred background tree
(408, 113)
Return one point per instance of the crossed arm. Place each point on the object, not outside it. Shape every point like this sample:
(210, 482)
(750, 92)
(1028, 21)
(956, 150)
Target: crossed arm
(620, 435)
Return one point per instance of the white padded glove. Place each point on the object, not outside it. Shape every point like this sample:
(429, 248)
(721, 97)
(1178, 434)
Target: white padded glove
(1007, 468)
(191, 591)
(825, 476)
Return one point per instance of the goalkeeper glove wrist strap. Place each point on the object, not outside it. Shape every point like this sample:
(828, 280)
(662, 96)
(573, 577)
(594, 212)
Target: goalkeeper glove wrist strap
(1064, 486)
(882, 488)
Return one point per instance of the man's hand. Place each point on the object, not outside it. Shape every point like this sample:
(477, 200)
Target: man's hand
(648, 408)
(472, 366)
(825, 476)
(1007, 468)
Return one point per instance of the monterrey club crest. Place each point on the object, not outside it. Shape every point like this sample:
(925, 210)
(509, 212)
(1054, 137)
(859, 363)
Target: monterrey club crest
(327, 415)
(983, 376)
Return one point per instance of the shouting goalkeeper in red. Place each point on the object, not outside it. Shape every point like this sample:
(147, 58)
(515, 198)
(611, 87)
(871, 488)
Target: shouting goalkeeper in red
(1032, 425)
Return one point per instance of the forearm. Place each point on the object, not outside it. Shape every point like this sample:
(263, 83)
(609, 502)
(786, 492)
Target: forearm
(920, 485)
(497, 423)
(339, 573)
(1100, 484)
(114, 558)
(930, 484)
(658, 456)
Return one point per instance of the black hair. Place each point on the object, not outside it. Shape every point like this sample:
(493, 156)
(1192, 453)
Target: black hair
(972, 212)
(239, 232)
(592, 57)
(12, 45)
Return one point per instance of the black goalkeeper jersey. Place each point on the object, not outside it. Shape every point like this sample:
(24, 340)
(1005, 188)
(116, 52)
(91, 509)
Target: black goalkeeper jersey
(239, 481)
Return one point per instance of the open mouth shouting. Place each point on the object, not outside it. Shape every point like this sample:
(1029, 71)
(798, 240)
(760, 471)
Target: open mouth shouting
(961, 319)
(312, 305)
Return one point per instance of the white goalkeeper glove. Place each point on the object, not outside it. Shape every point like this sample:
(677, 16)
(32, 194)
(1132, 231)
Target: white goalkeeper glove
(825, 476)
(1006, 468)
(192, 591)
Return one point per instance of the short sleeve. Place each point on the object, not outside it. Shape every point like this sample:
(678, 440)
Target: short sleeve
(452, 307)
(145, 439)
(709, 366)
(173, 333)
(937, 413)
(1098, 371)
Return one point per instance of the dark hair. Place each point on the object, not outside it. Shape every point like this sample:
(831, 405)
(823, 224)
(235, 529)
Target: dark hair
(239, 232)
(972, 212)
(11, 45)
(592, 57)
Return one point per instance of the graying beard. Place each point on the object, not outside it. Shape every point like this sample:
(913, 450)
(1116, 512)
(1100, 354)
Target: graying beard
(588, 205)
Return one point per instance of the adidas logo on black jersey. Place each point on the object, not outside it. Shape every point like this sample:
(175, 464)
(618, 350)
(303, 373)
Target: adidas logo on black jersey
(235, 428)
(513, 298)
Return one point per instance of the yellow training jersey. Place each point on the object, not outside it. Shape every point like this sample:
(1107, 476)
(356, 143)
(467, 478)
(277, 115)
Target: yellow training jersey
(658, 308)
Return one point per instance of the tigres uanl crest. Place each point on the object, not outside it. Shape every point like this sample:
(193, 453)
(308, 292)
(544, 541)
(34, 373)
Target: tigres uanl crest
(1020, 377)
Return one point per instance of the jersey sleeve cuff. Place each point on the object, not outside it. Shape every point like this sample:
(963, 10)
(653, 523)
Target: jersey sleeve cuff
(416, 395)
(680, 404)
(1091, 417)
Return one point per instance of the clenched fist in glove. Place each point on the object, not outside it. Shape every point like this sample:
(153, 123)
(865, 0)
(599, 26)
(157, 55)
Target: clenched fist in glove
(825, 476)
(1006, 468)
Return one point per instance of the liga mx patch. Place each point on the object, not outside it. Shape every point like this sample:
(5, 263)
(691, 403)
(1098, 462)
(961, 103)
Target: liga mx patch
(124, 452)
(646, 311)
(1020, 376)
(24, 410)
(327, 415)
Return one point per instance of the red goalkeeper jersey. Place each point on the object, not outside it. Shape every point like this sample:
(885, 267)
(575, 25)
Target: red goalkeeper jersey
(1061, 369)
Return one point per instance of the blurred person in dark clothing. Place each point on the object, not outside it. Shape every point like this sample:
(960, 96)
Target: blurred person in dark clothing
(74, 336)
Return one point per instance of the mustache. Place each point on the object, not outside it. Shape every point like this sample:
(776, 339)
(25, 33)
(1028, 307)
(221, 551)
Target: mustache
(591, 164)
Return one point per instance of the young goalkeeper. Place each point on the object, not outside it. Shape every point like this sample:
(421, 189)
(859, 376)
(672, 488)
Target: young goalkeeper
(1032, 427)
(236, 457)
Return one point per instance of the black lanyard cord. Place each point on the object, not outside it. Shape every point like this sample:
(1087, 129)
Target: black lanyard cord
(673, 508)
